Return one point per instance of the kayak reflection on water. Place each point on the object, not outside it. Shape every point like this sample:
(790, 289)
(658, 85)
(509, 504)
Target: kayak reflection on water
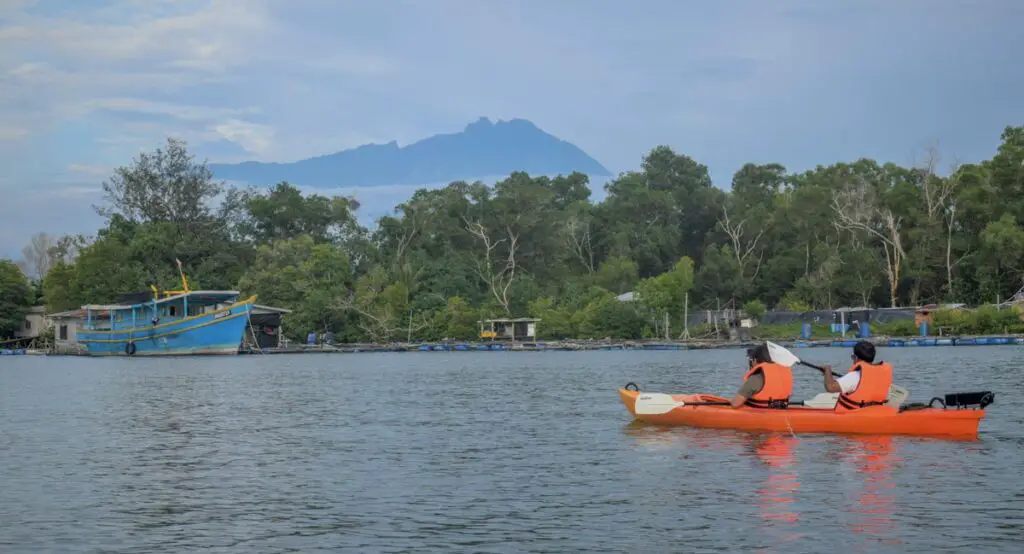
(872, 508)
(776, 495)
(871, 458)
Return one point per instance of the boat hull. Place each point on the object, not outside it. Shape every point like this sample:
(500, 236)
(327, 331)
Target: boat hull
(874, 420)
(216, 333)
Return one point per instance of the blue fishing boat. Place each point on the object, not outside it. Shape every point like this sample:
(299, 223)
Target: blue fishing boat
(168, 323)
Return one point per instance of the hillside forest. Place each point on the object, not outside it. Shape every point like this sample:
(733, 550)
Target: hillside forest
(854, 233)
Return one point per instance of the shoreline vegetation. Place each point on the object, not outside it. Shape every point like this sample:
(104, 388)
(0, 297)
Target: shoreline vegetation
(858, 233)
(986, 326)
(613, 345)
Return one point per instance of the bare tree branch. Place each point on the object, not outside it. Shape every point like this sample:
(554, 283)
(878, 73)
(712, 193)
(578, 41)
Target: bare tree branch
(579, 236)
(499, 279)
(385, 326)
(856, 211)
(39, 256)
(411, 216)
(937, 191)
(743, 248)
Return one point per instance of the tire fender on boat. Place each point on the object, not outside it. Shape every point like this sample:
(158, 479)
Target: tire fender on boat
(129, 348)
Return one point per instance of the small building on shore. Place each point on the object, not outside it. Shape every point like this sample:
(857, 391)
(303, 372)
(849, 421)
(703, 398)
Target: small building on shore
(65, 332)
(35, 323)
(265, 327)
(513, 329)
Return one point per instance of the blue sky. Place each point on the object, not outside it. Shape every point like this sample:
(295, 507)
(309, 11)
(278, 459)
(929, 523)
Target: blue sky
(84, 86)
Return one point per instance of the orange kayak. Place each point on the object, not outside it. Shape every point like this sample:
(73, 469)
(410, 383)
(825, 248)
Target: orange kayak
(923, 420)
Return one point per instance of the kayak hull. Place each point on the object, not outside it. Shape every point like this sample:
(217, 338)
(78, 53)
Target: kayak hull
(873, 420)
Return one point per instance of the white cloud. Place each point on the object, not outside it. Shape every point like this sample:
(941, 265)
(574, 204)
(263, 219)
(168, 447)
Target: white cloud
(12, 133)
(76, 192)
(90, 170)
(199, 33)
(177, 111)
(95, 83)
(254, 137)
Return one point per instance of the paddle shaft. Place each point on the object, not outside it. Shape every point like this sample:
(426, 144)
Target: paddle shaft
(785, 357)
(819, 368)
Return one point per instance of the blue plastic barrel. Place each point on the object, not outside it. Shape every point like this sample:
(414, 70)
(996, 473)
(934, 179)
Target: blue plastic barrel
(865, 330)
(805, 331)
(922, 329)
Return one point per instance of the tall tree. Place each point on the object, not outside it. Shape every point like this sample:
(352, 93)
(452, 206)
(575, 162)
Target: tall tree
(38, 256)
(15, 298)
(166, 185)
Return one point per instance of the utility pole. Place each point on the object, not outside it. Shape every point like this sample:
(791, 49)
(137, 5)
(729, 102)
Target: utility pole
(686, 317)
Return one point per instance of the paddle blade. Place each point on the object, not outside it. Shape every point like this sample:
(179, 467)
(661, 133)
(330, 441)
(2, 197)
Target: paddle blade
(897, 395)
(653, 403)
(782, 356)
(823, 401)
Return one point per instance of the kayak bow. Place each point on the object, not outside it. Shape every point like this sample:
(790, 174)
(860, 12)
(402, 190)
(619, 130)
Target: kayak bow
(957, 418)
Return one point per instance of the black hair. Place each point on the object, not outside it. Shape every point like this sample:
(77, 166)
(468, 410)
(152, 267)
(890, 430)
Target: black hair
(759, 353)
(864, 351)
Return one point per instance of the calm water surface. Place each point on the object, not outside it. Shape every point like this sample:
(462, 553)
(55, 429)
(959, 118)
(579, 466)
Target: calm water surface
(481, 452)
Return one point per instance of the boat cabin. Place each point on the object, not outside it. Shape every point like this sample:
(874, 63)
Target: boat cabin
(147, 309)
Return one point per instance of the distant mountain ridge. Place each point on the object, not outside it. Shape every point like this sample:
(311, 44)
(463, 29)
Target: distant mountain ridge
(482, 149)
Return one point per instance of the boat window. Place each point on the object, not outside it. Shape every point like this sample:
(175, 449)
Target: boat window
(173, 311)
(64, 332)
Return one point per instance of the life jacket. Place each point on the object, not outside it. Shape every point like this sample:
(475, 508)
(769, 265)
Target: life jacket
(778, 385)
(872, 390)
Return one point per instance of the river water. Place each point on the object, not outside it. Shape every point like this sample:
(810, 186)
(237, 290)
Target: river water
(481, 452)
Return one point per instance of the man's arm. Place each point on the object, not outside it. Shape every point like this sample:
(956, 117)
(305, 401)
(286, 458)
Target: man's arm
(831, 385)
(747, 389)
(845, 384)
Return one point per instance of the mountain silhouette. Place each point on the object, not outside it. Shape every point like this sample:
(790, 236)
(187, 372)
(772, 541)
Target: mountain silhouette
(482, 149)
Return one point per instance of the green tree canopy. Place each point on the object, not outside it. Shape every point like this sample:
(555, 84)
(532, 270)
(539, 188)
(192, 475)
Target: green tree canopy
(16, 297)
(851, 233)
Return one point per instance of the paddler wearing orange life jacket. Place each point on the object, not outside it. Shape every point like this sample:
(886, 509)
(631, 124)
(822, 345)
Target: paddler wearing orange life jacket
(865, 383)
(766, 384)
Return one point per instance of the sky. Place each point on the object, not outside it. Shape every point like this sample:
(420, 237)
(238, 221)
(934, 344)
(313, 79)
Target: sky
(87, 85)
